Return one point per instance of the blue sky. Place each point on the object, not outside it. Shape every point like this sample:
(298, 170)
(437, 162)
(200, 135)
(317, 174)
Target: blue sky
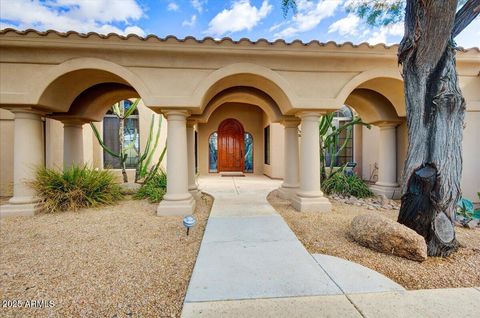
(322, 20)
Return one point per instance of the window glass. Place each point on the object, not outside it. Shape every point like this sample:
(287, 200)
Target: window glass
(248, 152)
(213, 153)
(266, 145)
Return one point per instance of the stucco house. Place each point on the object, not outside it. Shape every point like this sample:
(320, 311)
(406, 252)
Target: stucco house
(230, 107)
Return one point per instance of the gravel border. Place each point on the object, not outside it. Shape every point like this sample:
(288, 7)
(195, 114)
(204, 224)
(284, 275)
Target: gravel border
(326, 233)
(115, 261)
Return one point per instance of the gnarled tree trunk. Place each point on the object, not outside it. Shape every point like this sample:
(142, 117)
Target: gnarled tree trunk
(435, 118)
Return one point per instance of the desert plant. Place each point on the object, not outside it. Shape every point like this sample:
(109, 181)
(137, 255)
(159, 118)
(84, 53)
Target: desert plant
(466, 211)
(154, 187)
(340, 183)
(74, 188)
(144, 159)
(330, 139)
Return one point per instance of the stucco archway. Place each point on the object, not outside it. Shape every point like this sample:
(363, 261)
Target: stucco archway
(243, 95)
(245, 75)
(61, 86)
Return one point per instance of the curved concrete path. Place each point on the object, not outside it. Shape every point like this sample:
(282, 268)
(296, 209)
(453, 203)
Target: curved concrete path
(248, 252)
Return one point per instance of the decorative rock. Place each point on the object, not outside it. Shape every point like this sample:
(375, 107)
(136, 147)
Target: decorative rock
(384, 235)
(473, 224)
(129, 188)
(376, 203)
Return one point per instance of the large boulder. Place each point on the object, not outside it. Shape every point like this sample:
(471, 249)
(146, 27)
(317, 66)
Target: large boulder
(387, 236)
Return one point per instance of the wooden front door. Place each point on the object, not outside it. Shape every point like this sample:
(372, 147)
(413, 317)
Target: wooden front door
(230, 145)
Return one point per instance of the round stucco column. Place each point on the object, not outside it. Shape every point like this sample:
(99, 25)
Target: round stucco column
(387, 162)
(28, 154)
(192, 182)
(177, 200)
(310, 198)
(72, 143)
(291, 159)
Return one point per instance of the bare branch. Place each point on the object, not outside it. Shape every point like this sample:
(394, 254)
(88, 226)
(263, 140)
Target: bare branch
(465, 16)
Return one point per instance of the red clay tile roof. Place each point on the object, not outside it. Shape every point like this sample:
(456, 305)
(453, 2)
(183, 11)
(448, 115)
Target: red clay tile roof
(206, 39)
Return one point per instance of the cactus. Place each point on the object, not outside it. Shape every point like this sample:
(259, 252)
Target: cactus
(329, 138)
(145, 158)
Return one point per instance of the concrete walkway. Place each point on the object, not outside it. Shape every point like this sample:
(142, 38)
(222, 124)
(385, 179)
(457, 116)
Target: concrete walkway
(251, 264)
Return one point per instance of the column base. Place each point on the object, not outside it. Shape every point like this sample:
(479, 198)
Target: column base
(20, 207)
(311, 204)
(176, 207)
(393, 192)
(196, 193)
(287, 193)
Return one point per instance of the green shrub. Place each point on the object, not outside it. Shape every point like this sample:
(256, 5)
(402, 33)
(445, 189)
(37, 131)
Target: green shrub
(154, 188)
(339, 183)
(74, 188)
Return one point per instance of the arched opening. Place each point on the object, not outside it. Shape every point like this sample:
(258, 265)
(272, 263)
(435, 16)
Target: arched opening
(379, 152)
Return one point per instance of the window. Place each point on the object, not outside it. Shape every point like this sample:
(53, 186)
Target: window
(196, 152)
(248, 162)
(212, 152)
(266, 145)
(111, 125)
(342, 117)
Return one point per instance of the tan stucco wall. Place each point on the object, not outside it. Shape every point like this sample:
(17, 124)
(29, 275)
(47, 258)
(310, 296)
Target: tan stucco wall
(357, 149)
(251, 117)
(275, 168)
(402, 147)
(187, 74)
(471, 155)
(6, 153)
(369, 146)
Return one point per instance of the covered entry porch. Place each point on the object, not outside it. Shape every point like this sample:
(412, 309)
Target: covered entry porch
(74, 78)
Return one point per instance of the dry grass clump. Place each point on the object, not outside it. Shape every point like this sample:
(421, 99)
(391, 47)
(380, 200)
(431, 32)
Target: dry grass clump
(121, 261)
(75, 188)
(327, 233)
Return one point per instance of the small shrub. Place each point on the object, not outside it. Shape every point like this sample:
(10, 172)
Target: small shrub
(340, 183)
(466, 211)
(74, 188)
(154, 188)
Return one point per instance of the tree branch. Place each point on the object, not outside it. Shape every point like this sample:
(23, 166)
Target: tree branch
(465, 16)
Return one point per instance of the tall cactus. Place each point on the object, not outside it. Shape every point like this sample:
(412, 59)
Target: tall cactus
(329, 137)
(146, 157)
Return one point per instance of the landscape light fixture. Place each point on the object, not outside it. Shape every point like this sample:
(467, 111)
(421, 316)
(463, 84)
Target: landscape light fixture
(188, 222)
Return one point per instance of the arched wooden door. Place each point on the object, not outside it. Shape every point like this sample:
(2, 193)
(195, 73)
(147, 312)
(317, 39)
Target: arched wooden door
(230, 145)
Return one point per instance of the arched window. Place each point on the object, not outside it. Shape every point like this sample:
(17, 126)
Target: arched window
(342, 117)
(213, 152)
(111, 125)
(248, 152)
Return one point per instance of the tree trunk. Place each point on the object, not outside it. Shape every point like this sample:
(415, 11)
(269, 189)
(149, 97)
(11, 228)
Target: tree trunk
(435, 117)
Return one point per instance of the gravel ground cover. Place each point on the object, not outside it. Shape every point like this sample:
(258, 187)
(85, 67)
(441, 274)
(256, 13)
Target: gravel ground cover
(116, 261)
(327, 233)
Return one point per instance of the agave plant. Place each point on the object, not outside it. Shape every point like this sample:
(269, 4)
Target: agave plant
(466, 211)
